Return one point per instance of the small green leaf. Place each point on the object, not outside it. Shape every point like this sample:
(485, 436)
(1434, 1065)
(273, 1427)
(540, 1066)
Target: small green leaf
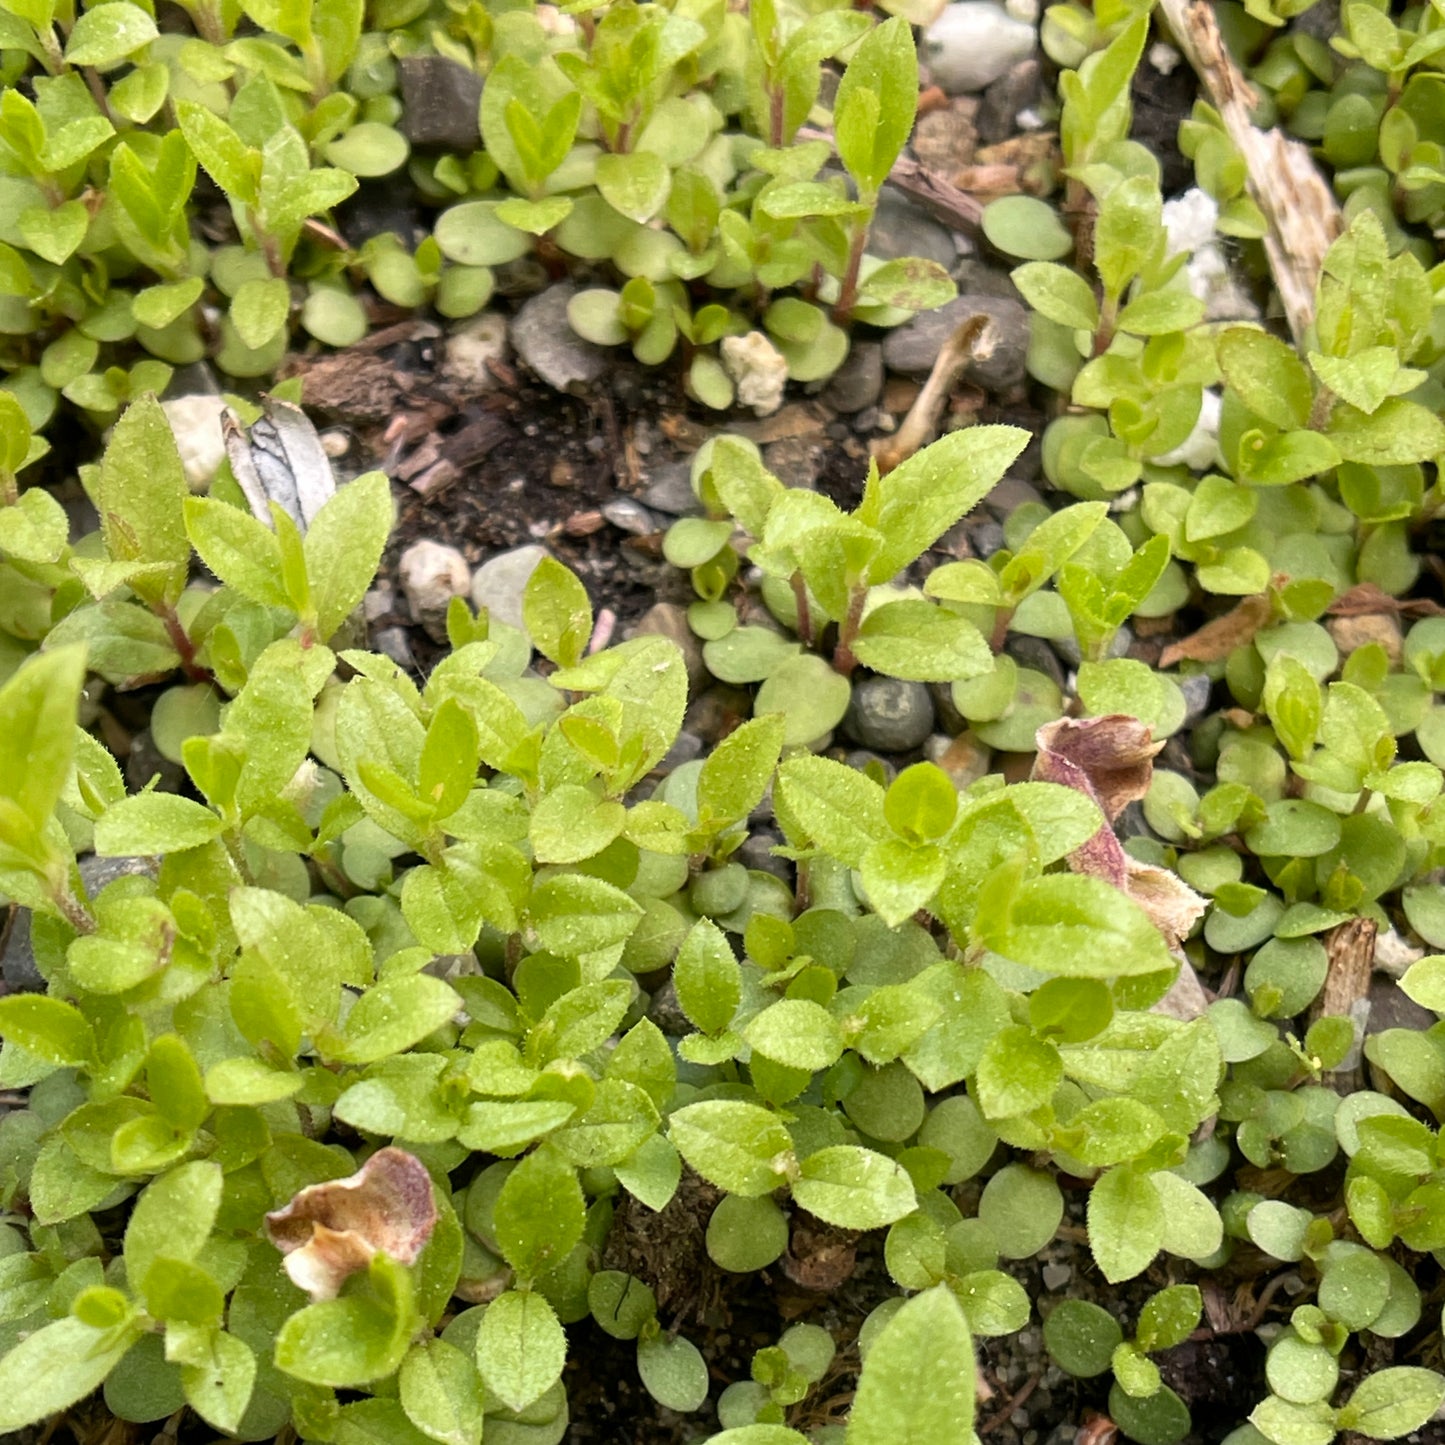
(854, 1188)
(520, 1348)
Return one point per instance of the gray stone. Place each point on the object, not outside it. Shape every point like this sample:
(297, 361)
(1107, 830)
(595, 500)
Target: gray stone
(17, 961)
(972, 43)
(497, 584)
(756, 852)
(1392, 1008)
(1196, 688)
(146, 761)
(379, 602)
(441, 100)
(859, 758)
(1019, 89)
(665, 1010)
(669, 490)
(889, 714)
(393, 642)
(1009, 495)
(796, 461)
(685, 748)
(987, 538)
(1035, 653)
(900, 228)
(431, 574)
(1068, 647)
(667, 619)
(913, 347)
(858, 383)
(949, 718)
(629, 516)
(543, 339)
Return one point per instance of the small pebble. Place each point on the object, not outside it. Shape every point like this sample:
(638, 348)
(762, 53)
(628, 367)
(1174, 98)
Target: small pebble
(392, 642)
(1056, 1276)
(974, 42)
(667, 619)
(629, 516)
(196, 424)
(547, 344)
(858, 383)
(498, 583)
(670, 490)
(890, 714)
(431, 574)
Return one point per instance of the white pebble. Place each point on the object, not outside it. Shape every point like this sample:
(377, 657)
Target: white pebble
(973, 43)
(431, 574)
(1200, 449)
(196, 424)
(469, 351)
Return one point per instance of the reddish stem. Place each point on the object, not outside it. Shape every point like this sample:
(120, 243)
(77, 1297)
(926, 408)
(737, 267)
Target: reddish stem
(183, 645)
(843, 660)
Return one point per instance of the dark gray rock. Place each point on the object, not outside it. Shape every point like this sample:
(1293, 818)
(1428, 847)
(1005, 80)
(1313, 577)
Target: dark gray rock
(900, 228)
(393, 642)
(665, 1011)
(669, 489)
(986, 537)
(858, 383)
(441, 101)
(796, 461)
(1020, 88)
(1035, 653)
(889, 714)
(949, 718)
(1196, 689)
(145, 761)
(756, 853)
(543, 339)
(913, 347)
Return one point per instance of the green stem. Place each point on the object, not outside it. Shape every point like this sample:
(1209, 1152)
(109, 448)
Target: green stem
(75, 913)
(805, 612)
(843, 659)
(181, 641)
(848, 295)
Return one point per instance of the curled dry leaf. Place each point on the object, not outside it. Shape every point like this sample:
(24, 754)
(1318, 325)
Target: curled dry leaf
(1111, 760)
(1219, 638)
(281, 461)
(329, 1231)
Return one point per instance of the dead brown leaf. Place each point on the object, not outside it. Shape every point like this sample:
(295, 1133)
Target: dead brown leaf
(1220, 637)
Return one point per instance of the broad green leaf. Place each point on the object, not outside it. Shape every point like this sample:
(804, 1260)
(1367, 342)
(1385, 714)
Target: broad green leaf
(539, 1214)
(737, 772)
(1392, 1402)
(343, 547)
(916, 503)
(707, 978)
(556, 612)
(837, 807)
(60, 1363)
(109, 33)
(1126, 1223)
(140, 497)
(49, 1028)
(441, 1392)
(918, 1382)
(876, 102)
(854, 1188)
(520, 1348)
(742, 1148)
(37, 732)
(153, 824)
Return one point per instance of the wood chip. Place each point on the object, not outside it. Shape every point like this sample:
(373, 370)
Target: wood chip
(1296, 200)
